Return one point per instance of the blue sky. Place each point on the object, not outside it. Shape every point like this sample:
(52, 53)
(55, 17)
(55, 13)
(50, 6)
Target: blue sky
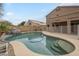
(18, 12)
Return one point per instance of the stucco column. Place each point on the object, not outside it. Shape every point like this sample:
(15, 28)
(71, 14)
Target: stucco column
(78, 30)
(47, 28)
(61, 28)
(69, 27)
(54, 28)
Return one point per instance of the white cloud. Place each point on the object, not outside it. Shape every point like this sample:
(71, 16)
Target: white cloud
(9, 13)
(13, 18)
(43, 10)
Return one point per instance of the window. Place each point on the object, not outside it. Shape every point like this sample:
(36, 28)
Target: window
(57, 15)
(52, 25)
(29, 23)
(57, 9)
(47, 25)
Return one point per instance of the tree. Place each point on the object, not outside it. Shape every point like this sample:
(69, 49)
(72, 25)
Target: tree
(22, 23)
(4, 27)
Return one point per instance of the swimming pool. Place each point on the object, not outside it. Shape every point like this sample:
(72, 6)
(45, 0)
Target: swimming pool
(42, 44)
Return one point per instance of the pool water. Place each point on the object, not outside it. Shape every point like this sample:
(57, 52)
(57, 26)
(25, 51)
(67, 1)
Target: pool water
(42, 44)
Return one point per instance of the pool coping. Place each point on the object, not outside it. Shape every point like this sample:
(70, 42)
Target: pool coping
(21, 50)
(70, 38)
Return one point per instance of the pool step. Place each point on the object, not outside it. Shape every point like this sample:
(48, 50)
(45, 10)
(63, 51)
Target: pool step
(57, 48)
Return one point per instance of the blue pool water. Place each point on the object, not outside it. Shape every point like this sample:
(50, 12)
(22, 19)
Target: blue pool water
(42, 44)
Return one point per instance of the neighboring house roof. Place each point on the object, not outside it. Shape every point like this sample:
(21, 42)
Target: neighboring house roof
(35, 21)
(5, 21)
(2, 20)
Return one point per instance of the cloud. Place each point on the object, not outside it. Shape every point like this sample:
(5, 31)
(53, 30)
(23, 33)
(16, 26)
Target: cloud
(43, 10)
(9, 13)
(13, 18)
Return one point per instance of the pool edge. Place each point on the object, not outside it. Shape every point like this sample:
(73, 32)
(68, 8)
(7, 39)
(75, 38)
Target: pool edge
(21, 50)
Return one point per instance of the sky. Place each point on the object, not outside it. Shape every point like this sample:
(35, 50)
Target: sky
(18, 12)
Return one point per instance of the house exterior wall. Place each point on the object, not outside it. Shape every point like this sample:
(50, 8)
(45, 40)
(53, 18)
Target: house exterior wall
(60, 15)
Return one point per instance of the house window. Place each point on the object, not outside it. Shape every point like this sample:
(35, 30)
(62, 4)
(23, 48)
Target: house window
(57, 15)
(52, 25)
(57, 9)
(47, 25)
(29, 23)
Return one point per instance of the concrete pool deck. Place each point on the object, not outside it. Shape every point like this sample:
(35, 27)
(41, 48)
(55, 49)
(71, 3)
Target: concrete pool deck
(21, 50)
